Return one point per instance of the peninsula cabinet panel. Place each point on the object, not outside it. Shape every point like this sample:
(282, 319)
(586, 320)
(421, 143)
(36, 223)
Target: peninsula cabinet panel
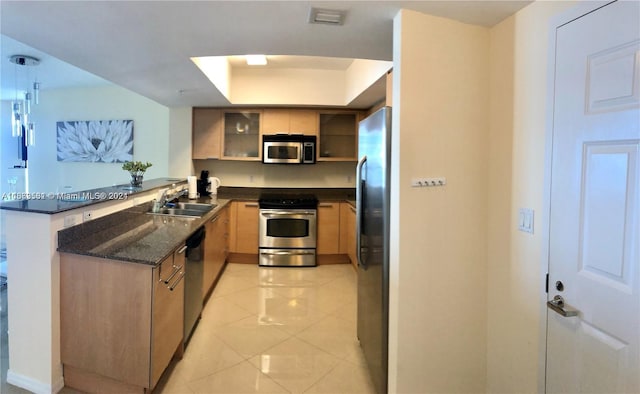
(167, 326)
(207, 133)
(120, 325)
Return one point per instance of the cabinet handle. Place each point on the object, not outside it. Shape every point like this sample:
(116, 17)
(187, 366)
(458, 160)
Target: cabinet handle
(214, 219)
(325, 205)
(352, 209)
(182, 249)
(251, 204)
(175, 271)
(174, 284)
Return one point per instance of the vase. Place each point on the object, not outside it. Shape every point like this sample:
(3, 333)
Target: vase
(136, 180)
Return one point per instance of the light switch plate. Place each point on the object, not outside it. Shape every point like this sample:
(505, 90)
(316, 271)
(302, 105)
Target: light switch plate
(525, 220)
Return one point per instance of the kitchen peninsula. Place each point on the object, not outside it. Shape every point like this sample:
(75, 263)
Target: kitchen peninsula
(35, 343)
(128, 284)
(34, 276)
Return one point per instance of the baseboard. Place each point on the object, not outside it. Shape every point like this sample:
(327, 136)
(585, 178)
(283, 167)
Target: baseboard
(325, 259)
(33, 385)
(243, 258)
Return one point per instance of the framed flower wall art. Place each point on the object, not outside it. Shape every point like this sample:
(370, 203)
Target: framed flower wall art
(104, 141)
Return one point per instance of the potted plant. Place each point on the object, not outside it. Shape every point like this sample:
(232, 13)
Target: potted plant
(136, 169)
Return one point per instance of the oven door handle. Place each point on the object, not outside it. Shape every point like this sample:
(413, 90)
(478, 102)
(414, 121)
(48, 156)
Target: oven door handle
(285, 213)
(287, 253)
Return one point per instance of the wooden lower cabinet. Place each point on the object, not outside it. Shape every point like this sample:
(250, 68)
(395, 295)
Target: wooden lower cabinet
(348, 232)
(216, 250)
(329, 229)
(243, 232)
(120, 324)
(350, 213)
(328, 241)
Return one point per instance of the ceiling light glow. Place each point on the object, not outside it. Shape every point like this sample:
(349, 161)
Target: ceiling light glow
(256, 60)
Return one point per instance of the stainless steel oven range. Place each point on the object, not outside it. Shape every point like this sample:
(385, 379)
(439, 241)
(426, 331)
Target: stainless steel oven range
(287, 230)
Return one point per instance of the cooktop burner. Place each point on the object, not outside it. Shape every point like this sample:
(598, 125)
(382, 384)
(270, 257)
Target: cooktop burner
(292, 201)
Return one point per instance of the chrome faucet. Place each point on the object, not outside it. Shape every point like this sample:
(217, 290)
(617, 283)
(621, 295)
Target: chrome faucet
(161, 201)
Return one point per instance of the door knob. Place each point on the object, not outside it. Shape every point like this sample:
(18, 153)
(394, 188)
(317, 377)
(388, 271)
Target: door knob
(558, 305)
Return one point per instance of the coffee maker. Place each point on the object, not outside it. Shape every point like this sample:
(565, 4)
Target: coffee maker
(203, 183)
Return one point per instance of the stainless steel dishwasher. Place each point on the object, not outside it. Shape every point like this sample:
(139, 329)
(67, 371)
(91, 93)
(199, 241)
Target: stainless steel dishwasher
(193, 281)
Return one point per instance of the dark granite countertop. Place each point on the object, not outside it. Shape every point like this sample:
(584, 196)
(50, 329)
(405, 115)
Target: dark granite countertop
(51, 203)
(133, 235)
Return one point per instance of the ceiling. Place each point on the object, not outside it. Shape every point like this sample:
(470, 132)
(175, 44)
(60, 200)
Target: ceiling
(146, 46)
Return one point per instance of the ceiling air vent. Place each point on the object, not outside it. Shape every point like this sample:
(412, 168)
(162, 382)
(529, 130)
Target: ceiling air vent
(327, 17)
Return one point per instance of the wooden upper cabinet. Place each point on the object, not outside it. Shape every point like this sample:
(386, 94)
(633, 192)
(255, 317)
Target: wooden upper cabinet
(338, 139)
(291, 121)
(303, 121)
(236, 134)
(207, 133)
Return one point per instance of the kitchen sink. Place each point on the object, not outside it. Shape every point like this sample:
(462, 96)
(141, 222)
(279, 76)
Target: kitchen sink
(185, 209)
(194, 206)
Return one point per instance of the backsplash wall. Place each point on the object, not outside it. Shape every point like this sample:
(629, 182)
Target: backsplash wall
(256, 174)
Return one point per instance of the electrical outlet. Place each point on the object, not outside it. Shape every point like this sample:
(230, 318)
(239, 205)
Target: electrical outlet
(250, 178)
(87, 215)
(428, 182)
(70, 220)
(349, 178)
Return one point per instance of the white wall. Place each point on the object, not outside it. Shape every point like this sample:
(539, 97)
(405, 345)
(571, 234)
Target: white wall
(519, 58)
(180, 163)
(438, 245)
(256, 174)
(150, 130)
(9, 147)
(288, 86)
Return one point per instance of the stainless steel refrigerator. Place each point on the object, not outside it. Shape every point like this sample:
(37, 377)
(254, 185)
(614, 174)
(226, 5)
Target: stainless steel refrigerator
(372, 230)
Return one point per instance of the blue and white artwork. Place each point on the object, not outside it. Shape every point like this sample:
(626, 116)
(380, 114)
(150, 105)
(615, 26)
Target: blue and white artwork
(102, 141)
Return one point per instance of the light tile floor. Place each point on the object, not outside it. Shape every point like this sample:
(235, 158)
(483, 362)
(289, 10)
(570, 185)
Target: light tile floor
(273, 330)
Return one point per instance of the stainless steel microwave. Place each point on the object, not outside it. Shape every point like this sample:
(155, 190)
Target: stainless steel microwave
(289, 149)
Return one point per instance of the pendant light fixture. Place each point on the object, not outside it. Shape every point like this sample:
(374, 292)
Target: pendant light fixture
(21, 107)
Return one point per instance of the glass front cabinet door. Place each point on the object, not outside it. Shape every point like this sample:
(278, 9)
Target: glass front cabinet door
(242, 135)
(338, 136)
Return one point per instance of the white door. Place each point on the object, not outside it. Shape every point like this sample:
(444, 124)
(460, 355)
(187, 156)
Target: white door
(594, 231)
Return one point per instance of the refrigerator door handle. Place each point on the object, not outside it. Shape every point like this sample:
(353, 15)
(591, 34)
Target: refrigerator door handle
(359, 195)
